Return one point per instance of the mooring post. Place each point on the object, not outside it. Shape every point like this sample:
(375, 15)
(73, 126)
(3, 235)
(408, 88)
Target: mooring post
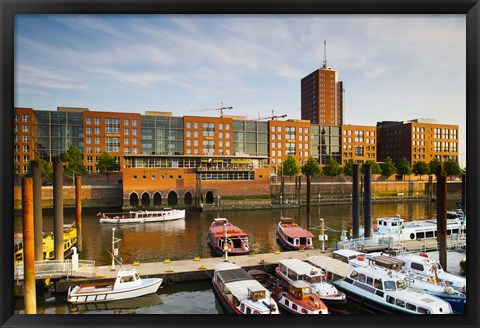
(37, 209)
(367, 200)
(78, 204)
(442, 220)
(58, 209)
(464, 194)
(30, 297)
(309, 217)
(355, 203)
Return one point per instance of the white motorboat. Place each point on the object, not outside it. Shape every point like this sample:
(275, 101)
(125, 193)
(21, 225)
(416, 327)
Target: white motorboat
(142, 216)
(381, 290)
(127, 285)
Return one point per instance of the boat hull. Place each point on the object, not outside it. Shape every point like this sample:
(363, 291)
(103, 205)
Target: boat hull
(221, 298)
(289, 247)
(148, 286)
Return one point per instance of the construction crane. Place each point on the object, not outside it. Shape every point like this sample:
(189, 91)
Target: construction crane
(220, 109)
(273, 117)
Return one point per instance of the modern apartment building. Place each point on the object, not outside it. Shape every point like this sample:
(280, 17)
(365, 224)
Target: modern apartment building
(358, 143)
(322, 97)
(417, 140)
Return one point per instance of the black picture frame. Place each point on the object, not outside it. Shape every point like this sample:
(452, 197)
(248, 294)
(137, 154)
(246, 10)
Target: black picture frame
(9, 8)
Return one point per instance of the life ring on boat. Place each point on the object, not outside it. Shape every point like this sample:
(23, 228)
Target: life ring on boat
(169, 281)
(361, 258)
(412, 236)
(422, 254)
(225, 247)
(375, 228)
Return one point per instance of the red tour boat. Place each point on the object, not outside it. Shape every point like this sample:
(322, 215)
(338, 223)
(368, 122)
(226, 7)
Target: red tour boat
(293, 237)
(225, 237)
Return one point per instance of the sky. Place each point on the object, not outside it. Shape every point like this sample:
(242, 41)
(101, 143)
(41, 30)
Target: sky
(394, 67)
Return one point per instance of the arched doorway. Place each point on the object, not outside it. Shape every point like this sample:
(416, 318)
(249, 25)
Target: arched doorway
(172, 198)
(209, 198)
(157, 199)
(146, 199)
(188, 199)
(133, 199)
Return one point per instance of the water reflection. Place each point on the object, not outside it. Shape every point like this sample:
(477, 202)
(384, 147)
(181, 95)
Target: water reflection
(187, 238)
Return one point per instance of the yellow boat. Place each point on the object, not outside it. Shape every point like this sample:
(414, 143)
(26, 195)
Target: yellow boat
(69, 240)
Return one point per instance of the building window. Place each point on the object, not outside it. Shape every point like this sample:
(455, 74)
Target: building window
(26, 158)
(26, 128)
(189, 125)
(98, 131)
(25, 118)
(126, 122)
(97, 150)
(88, 120)
(134, 122)
(89, 149)
(15, 128)
(26, 148)
(135, 150)
(15, 118)
(89, 140)
(97, 140)
(227, 126)
(26, 138)
(89, 131)
(134, 132)
(97, 121)
(195, 125)
(112, 125)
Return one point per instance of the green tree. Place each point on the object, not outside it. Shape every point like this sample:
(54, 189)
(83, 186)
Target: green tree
(420, 168)
(74, 160)
(451, 167)
(106, 164)
(290, 166)
(45, 168)
(375, 168)
(388, 167)
(435, 166)
(403, 167)
(312, 168)
(348, 168)
(332, 168)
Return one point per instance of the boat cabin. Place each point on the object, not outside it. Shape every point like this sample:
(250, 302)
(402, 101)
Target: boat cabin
(300, 289)
(295, 269)
(256, 295)
(389, 225)
(126, 279)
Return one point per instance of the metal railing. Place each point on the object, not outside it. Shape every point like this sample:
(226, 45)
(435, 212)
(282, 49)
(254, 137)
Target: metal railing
(54, 268)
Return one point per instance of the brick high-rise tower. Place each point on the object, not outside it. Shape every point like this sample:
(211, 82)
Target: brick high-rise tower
(322, 96)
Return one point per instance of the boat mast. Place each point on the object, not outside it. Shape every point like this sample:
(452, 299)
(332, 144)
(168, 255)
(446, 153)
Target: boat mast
(114, 250)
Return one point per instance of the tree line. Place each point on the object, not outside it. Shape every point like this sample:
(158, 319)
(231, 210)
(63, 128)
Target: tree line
(450, 167)
(74, 165)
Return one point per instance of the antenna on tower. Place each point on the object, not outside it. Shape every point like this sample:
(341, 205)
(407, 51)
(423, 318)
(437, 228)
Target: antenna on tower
(324, 53)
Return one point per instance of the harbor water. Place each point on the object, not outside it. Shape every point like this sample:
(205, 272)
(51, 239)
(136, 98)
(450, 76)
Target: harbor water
(186, 239)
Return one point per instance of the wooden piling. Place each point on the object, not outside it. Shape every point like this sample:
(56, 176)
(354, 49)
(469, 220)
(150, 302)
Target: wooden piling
(367, 200)
(442, 220)
(28, 246)
(37, 209)
(309, 217)
(355, 203)
(58, 209)
(464, 194)
(78, 204)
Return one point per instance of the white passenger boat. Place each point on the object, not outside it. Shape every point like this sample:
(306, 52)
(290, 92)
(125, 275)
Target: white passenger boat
(381, 290)
(127, 285)
(142, 216)
(399, 229)
(239, 292)
(291, 270)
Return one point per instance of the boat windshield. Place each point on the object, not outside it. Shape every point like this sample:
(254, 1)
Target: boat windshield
(390, 285)
(312, 280)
